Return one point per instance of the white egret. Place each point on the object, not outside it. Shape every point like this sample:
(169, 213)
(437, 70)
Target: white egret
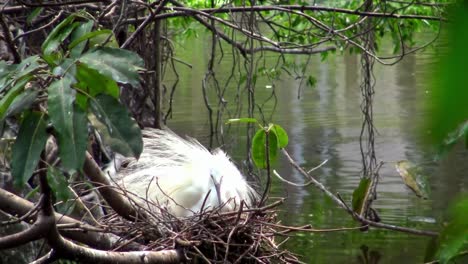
(182, 176)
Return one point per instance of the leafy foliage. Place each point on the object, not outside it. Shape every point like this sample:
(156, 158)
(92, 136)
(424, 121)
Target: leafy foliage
(359, 195)
(268, 139)
(448, 95)
(453, 238)
(69, 76)
(28, 147)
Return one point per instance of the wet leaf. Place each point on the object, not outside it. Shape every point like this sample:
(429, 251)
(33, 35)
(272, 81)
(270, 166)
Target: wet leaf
(454, 237)
(79, 32)
(28, 146)
(21, 102)
(88, 36)
(113, 122)
(106, 40)
(95, 83)
(359, 195)
(454, 137)
(10, 74)
(281, 135)
(448, 95)
(118, 64)
(8, 98)
(414, 178)
(69, 122)
(258, 148)
(58, 35)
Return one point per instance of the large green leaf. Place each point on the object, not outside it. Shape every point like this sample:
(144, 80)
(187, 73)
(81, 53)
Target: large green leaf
(58, 35)
(448, 94)
(88, 36)
(259, 143)
(78, 33)
(28, 146)
(8, 98)
(95, 83)
(69, 122)
(414, 178)
(281, 135)
(453, 138)
(21, 102)
(118, 64)
(10, 74)
(106, 40)
(6, 70)
(117, 128)
(454, 237)
(359, 195)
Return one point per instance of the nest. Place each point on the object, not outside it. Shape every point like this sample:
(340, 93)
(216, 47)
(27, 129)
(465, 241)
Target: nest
(211, 236)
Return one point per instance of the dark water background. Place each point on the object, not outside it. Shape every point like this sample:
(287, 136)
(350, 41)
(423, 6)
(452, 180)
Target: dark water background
(324, 124)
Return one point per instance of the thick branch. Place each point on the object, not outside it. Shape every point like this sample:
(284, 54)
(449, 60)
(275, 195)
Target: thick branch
(73, 251)
(117, 201)
(31, 234)
(15, 205)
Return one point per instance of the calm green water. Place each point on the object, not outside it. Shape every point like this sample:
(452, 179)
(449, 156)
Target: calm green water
(324, 124)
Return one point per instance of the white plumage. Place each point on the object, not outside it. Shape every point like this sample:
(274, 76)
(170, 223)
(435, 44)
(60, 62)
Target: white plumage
(177, 174)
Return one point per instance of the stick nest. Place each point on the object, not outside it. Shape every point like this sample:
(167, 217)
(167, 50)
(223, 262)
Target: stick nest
(211, 236)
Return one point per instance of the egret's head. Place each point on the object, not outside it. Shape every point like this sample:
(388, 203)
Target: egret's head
(232, 185)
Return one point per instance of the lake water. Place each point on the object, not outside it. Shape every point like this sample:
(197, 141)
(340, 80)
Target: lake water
(324, 124)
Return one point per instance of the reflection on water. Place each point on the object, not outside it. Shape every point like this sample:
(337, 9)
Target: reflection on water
(324, 124)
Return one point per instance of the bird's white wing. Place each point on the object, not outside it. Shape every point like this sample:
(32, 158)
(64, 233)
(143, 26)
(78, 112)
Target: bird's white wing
(178, 174)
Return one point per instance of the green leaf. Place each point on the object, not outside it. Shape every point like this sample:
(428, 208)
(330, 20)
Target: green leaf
(448, 95)
(311, 81)
(58, 183)
(414, 178)
(6, 70)
(28, 146)
(58, 35)
(34, 14)
(454, 237)
(281, 135)
(259, 151)
(242, 120)
(453, 138)
(8, 98)
(21, 102)
(10, 74)
(95, 83)
(78, 33)
(113, 122)
(106, 40)
(88, 36)
(118, 64)
(359, 195)
(69, 122)
(81, 100)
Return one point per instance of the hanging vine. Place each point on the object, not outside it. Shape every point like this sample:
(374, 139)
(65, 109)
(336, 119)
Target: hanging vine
(367, 135)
